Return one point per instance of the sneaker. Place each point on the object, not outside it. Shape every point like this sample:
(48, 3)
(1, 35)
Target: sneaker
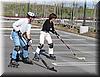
(52, 56)
(36, 57)
(27, 61)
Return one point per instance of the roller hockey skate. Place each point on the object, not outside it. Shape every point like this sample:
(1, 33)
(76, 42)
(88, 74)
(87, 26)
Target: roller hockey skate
(27, 61)
(52, 56)
(13, 63)
(36, 57)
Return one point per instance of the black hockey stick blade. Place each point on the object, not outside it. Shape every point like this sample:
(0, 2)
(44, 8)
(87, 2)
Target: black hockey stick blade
(52, 68)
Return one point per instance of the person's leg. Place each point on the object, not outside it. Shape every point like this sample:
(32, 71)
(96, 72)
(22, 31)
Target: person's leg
(50, 43)
(41, 44)
(16, 49)
(25, 53)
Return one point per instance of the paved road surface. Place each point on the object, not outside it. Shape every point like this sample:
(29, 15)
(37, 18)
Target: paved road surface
(65, 64)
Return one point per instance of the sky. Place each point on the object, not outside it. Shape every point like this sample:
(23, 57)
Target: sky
(57, 1)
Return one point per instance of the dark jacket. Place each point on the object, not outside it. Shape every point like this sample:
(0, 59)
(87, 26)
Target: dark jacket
(48, 26)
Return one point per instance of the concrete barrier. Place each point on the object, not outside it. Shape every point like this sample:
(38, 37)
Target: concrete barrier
(83, 29)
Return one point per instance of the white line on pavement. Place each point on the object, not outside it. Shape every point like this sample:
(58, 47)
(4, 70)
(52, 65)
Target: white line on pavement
(68, 52)
(58, 44)
(83, 45)
(11, 29)
(52, 39)
(74, 63)
(66, 33)
(62, 44)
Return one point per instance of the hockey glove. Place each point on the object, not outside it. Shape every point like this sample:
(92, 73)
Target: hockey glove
(19, 33)
(29, 42)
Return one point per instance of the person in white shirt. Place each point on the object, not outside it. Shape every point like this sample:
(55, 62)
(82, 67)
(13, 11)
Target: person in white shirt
(21, 38)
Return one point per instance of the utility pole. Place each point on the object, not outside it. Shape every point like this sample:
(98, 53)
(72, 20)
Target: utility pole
(61, 9)
(84, 28)
(84, 17)
(28, 6)
(72, 13)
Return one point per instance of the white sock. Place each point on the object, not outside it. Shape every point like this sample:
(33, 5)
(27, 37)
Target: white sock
(50, 50)
(38, 50)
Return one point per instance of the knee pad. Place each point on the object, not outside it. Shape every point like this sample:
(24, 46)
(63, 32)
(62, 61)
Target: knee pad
(50, 45)
(17, 48)
(25, 47)
(41, 46)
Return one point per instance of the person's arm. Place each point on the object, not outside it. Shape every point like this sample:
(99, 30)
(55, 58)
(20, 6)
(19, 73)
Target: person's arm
(24, 35)
(53, 29)
(17, 24)
(44, 27)
(28, 34)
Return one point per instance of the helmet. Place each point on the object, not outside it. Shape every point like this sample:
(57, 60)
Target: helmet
(30, 14)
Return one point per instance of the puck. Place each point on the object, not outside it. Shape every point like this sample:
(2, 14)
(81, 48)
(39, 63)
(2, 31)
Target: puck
(81, 58)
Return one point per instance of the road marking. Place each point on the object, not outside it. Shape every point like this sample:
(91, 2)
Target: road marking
(74, 63)
(8, 33)
(66, 33)
(52, 39)
(7, 21)
(68, 52)
(79, 45)
(12, 28)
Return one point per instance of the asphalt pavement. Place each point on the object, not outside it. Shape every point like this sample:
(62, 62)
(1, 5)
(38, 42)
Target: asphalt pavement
(64, 64)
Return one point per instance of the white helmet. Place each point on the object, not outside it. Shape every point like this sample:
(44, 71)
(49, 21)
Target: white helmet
(30, 14)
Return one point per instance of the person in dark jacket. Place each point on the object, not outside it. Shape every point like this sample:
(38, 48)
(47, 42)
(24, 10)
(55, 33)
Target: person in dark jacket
(47, 27)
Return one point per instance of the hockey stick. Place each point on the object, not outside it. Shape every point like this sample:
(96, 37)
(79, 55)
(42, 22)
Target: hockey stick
(74, 54)
(50, 68)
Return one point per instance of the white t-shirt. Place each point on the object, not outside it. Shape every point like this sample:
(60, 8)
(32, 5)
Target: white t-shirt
(22, 25)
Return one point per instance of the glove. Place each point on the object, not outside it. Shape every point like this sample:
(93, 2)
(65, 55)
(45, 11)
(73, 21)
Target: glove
(19, 33)
(29, 42)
